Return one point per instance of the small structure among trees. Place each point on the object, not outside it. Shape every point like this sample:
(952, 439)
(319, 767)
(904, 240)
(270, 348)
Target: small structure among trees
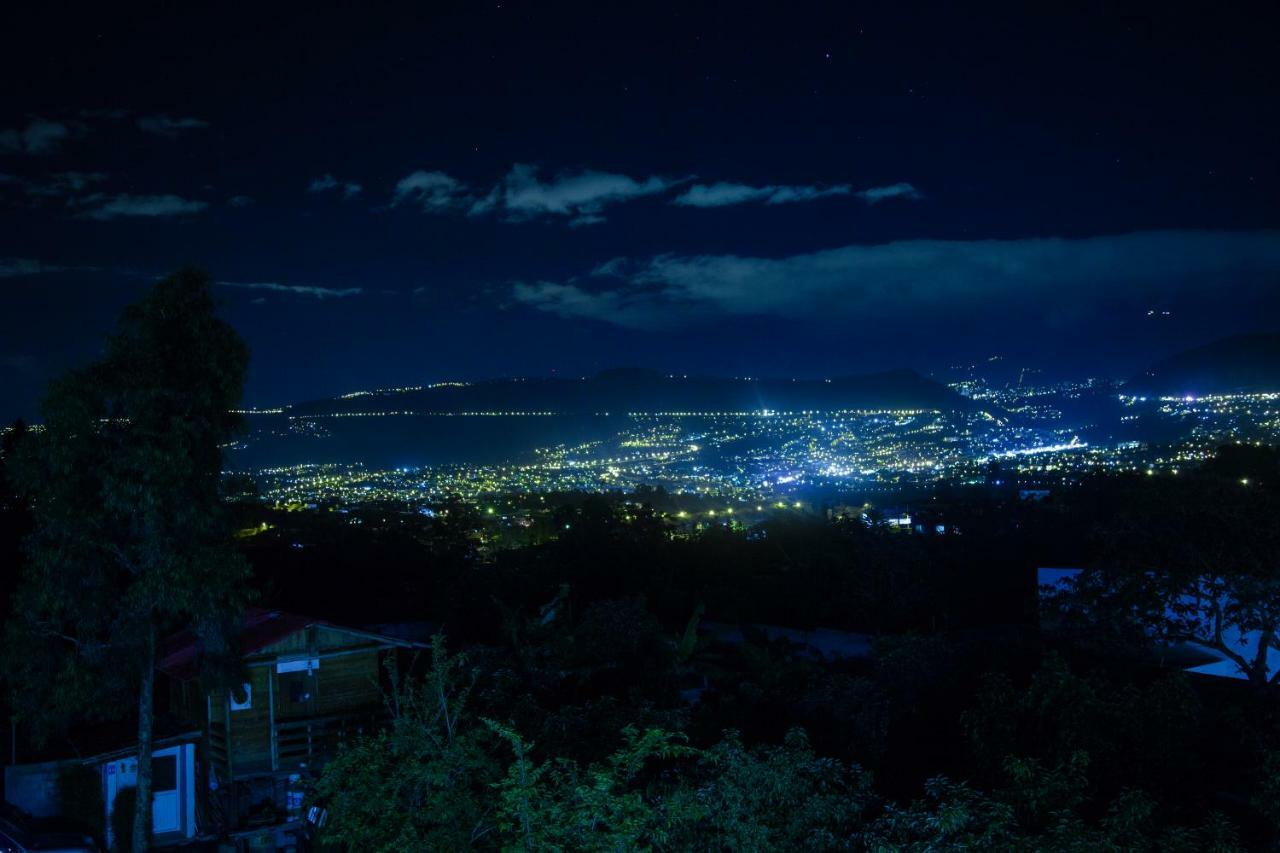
(307, 687)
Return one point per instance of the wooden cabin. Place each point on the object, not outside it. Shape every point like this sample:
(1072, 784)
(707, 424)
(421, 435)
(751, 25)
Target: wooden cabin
(310, 685)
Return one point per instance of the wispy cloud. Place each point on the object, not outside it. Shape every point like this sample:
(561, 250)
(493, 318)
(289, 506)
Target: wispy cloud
(240, 201)
(63, 184)
(925, 279)
(40, 136)
(103, 207)
(327, 182)
(902, 190)
(434, 192)
(578, 197)
(722, 194)
(19, 267)
(311, 291)
(613, 266)
(581, 197)
(21, 363)
(725, 193)
(13, 267)
(169, 126)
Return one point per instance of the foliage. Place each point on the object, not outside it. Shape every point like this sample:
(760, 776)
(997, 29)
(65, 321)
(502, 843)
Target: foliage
(124, 483)
(423, 783)
(614, 805)
(129, 534)
(1136, 735)
(780, 797)
(955, 816)
(439, 780)
(1266, 797)
(1193, 560)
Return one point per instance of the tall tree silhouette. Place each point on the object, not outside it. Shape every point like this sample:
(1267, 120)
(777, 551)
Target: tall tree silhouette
(129, 536)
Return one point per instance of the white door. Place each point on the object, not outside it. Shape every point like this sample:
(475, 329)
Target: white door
(166, 805)
(168, 780)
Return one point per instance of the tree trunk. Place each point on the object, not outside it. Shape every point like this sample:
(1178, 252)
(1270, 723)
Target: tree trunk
(146, 717)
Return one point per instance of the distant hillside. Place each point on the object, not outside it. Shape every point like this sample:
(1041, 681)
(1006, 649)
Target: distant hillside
(1240, 363)
(631, 390)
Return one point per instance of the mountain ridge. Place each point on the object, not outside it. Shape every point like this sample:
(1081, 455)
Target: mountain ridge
(640, 390)
(1239, 363)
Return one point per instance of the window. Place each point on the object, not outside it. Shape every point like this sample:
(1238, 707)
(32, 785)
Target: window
(164, 773)
(298, 687)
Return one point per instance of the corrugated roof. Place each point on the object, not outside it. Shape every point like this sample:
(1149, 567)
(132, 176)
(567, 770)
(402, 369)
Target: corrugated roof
(180, 654)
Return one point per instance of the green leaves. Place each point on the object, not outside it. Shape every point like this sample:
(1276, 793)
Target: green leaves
(130, 535)
(424, 784)
(613, 805)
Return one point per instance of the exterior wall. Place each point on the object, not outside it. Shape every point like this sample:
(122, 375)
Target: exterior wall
(295, 717)
(251, 727)
(347, 683)
(34, 787)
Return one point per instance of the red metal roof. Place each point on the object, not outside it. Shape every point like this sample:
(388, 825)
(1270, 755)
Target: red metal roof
(180, 653)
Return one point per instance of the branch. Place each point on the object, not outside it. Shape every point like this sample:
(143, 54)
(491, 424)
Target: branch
(49, 632)
(129, 565)
(1264, 644)
(1216, 642)
(1221, 645)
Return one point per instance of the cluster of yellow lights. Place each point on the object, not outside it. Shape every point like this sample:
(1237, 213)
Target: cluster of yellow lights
(758, 457)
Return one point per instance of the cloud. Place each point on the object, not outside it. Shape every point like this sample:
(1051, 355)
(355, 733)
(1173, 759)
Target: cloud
(613, 266)
(434, 192)
(169, 126)
(102, 207)
(64, 184)
(22, 362)
(327, 182)
(19, 267)
(40, 136)
(944, 281)
(579, 197)
(14, 267)
(311, 291)
(723, 194)
(902, 190)
(239, 201)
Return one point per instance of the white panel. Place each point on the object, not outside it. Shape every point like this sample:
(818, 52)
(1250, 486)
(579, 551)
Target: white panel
(301, 665)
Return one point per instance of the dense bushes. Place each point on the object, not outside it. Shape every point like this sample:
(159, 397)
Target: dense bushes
(446, 777)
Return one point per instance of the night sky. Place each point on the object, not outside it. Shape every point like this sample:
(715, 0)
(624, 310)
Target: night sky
(498, 189)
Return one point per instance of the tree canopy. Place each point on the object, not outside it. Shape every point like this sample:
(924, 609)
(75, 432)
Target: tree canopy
(129, 533)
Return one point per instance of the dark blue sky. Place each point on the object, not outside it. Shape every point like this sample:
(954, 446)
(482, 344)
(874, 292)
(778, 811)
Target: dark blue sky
(481, 189)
